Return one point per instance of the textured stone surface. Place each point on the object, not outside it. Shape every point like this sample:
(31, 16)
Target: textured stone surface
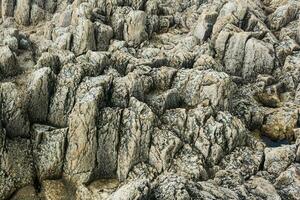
(149, 99)
(48, 150)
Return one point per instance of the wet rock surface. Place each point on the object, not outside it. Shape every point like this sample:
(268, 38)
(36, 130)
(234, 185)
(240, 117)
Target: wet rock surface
(149, 99)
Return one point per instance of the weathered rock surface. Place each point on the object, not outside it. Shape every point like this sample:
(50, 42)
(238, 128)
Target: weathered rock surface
(149, 99)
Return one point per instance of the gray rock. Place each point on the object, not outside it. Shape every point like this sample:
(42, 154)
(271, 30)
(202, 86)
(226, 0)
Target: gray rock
(188, 163)
(16, 167)
(37, 13)
(138, 123)
(135, 28)
(164, 146)
(287, 183)
(84, 37)
(136, 84)
(40, 88)
(81, 153)
(14, 105)
(63, 100)
(48, 150)
(278, 159)
(22, 12)
(204, 25)
(137, 189)
(108, 140)
(64, 96)
(203, 87)
(283, 15)
(49, 60)
(261, 188)
(7, 8)
(103, 35)
(8, 62)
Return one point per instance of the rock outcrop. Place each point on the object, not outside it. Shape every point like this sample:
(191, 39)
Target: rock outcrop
(149, 99)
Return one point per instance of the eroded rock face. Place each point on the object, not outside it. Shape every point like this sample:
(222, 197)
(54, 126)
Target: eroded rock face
(49, 146)
(149, 99)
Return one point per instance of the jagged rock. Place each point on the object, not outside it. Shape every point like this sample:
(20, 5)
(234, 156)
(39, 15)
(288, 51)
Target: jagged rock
(108, 140)
(7, 8)
(136, 189)
(63, 100)
(40, 88)
(64, 96)
(283, 15)
(54, 189)
(204, 25)
(138, 124)
(103, 35)
(149, 99)
(285, 49)
(261, 188)
(195, 87)
(220, 136)
(278, 159)
(62, 38)
(166, 100)
(135, 27)
(288, 184)
(136, 84)
(22, 12)
(164, 145)
(8, 62)
(84, 37)
(253, 65)
(14, 116)
(27, 192)
(11, 42)
(188, 163)
(37, 13)
(280, 123)
(51, 5)
(235, 161)
(82, 134)
(240, 52)
(163, 76)
(291, 71)
(171, 186)
(16, 167)
(49, 60)
(48, 150)
(118, 21)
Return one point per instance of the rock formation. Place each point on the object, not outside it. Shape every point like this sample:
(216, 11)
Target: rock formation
(149, 99)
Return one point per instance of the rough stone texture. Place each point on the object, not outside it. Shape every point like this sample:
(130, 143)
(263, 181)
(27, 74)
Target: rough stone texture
(14, 116)
(48, 150)
(149, 99)
(16, 169)
(135, 27)
(137, 122)
(8, 62)
(278, 159)
(108, 141)
(22, 12)
(54, 189)
(80, 157)
(39, 91)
